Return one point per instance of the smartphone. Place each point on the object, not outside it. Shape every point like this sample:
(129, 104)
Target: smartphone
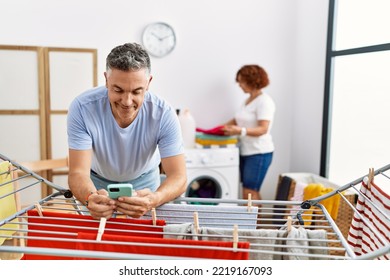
(117, 190)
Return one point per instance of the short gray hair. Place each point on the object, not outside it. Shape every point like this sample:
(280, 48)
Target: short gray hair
(130, 56)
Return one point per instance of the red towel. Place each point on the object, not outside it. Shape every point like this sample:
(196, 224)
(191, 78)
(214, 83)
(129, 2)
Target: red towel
(199, 249)
(213, 131)
(53, 223)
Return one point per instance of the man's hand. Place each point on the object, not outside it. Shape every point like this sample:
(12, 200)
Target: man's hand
(137, 205)
(100, 205)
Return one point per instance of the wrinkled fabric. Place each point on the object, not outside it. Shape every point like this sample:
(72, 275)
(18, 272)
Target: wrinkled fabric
(160, 247)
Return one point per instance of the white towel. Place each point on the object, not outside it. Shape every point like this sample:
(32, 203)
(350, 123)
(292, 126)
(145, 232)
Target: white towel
(297, 243)
(317, 242)
(311, 242)
(178, 231)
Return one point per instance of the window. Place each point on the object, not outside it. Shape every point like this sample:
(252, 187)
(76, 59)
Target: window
(356, 136)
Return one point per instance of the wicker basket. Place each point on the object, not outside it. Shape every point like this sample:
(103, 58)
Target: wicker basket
(343, 222)
(345, 212)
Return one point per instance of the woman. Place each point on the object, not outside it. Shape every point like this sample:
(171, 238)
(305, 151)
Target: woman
(253, 122)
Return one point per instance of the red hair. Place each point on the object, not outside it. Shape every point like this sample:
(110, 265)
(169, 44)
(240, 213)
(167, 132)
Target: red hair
(253, 75)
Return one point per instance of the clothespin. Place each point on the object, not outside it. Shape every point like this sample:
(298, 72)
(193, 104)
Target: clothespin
(371, 175)
(154, 216)
(39, 209)
(196, 222)
(9, 168)
(289, 223)
(249, 202)
(235, 237)
(102, 226)
(11, 171)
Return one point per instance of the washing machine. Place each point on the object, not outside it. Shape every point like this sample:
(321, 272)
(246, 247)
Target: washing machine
(212, 173)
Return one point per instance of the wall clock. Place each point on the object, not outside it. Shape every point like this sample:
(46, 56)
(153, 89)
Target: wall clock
(159, 39)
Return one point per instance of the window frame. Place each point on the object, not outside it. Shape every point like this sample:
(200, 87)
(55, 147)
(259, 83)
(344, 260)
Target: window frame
(331, 53)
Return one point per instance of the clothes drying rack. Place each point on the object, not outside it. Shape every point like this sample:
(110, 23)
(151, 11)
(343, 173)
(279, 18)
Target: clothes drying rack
(60, 227)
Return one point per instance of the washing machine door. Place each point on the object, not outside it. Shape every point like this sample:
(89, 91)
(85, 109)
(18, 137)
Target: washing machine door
(203, 183)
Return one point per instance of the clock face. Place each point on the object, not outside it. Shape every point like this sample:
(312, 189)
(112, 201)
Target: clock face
(159, 39)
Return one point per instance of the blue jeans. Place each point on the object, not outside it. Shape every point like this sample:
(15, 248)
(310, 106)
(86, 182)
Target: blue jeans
(253, 169)
(150, 179)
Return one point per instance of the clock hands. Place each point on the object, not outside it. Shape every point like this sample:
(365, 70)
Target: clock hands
(161, 38)
(155, 35)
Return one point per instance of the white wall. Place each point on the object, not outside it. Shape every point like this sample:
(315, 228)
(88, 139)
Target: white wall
(310, 61)
(215, 38)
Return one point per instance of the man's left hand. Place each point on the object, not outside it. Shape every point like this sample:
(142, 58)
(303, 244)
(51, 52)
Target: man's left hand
(137, 205)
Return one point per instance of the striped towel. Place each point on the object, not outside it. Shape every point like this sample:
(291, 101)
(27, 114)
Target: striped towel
(372, 231)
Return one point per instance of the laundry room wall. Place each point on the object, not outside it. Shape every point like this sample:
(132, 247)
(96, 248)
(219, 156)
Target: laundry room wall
(214, 39)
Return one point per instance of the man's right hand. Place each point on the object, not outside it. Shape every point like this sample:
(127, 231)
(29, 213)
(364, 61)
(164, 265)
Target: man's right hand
(100, 205)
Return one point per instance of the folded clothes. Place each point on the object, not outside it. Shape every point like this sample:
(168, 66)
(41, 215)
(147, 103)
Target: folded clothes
(215, 142)
(213, 131)
(207, 139)
(205, 136)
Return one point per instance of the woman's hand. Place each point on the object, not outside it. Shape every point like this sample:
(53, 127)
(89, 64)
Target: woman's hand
(231, 130)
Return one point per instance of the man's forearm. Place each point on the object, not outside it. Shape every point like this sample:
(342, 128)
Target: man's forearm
(171, 188)
(81, 186)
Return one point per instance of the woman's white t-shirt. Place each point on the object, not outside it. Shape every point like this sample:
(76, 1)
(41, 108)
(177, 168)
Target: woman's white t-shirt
(261, 108)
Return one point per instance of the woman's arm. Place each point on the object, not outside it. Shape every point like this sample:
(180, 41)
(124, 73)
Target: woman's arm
(260, 129)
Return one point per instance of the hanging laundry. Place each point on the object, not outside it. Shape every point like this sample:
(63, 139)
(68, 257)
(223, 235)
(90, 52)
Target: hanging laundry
(371, 232)
(209, 215)
(178, 231)
(270, 244)
(304, 244)
(158, 247)
(298, 244)
(55, 225)
(263, 242)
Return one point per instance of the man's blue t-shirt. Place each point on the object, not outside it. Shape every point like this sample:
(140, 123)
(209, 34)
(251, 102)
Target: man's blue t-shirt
(123, 154)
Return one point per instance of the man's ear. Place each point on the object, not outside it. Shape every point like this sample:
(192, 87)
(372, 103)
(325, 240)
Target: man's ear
(105, 76)
(150, 79)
